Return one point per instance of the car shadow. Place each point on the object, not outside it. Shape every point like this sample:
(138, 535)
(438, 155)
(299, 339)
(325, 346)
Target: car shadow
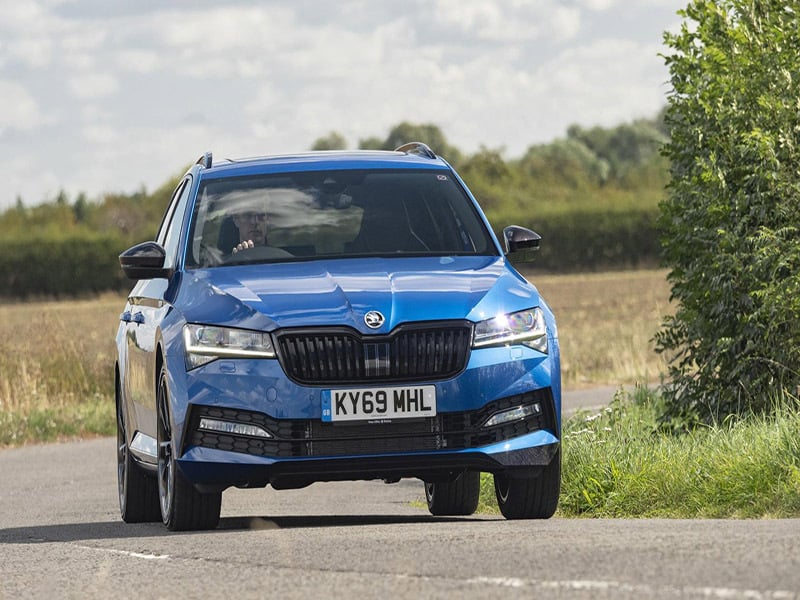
(77, 532)
(316, 521)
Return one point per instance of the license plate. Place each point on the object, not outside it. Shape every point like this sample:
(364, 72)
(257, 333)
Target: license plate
(367, 404)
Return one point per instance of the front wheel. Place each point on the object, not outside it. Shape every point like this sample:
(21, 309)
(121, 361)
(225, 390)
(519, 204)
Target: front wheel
(182, 506)
(454, 498)
(532, 497)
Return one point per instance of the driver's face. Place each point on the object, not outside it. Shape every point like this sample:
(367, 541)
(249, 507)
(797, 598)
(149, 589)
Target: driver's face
(252, 226)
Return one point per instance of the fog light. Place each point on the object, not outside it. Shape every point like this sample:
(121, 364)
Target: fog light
(234, 428)
(513, 414)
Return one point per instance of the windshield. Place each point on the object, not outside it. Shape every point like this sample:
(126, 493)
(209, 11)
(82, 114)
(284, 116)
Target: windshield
(333, 214)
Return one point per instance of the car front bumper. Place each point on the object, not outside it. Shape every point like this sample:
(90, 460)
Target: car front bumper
(302, 449)
(212, 470)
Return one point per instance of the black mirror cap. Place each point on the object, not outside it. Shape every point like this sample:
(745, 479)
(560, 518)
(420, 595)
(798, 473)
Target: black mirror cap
(144, 261)
(519, 238)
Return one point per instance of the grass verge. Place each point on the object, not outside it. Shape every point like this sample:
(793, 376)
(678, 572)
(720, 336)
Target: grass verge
(49, 424)
(618, 464)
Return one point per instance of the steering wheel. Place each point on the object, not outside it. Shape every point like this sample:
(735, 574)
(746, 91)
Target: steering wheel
(258, 253)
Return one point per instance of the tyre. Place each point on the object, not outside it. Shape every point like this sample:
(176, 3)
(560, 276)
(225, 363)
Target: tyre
(138, 490)
(532, 497)
(182, 506)
(458, 497)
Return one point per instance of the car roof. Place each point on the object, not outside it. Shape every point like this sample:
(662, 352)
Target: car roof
(319, 160)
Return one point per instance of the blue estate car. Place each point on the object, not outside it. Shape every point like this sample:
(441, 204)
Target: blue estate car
(333, 316)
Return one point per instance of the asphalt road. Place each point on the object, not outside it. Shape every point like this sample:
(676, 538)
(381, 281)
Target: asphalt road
(61, 536)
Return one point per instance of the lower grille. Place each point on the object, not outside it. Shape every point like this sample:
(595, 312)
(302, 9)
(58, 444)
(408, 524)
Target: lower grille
(313, 438)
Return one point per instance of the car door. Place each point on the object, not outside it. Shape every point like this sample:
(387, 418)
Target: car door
(146, 309)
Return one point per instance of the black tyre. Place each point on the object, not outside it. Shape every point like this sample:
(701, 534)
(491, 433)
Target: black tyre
(458, 497)
(182, 506)
(138, 490)
(530, 498)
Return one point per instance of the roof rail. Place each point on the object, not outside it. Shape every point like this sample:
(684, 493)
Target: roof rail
(205, 160)
(417, 148)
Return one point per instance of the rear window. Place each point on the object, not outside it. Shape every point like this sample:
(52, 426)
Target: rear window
(334, 214)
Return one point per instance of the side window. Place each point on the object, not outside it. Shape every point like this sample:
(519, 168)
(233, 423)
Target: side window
(169, 234)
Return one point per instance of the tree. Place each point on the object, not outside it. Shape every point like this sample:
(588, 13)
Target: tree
(569, 161)
(333, 141)
(371, 143)
(81, 208)
(730, 219)
(488, 176)
(406, 132)
(623, 148)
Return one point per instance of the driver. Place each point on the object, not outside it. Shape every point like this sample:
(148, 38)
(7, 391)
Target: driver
(252, 228)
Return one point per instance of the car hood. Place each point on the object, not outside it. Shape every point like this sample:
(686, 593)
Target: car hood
(340, 292)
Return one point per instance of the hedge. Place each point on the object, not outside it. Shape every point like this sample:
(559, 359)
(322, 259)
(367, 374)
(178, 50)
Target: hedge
(571, 242)
(61, 267)
(592, 241)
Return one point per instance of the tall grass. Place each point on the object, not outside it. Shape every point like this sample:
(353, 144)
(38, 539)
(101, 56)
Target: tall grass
(617, 463)
(56, 369)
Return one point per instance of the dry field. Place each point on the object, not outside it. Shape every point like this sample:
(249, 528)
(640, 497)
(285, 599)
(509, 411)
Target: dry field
(606, 322)
(56, 368)
(57, 358)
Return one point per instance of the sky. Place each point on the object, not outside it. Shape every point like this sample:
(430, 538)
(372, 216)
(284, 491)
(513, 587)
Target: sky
(100, 96)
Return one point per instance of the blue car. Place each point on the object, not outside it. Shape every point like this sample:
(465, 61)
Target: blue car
(333, 316)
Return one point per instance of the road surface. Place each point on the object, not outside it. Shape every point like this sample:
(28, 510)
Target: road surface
(61, 537)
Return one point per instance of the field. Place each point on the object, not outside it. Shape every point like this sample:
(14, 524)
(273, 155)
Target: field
(606, 322)
(56, 369)
(57, 358)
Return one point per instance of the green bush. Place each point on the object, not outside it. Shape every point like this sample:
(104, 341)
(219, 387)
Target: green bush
(730, 221)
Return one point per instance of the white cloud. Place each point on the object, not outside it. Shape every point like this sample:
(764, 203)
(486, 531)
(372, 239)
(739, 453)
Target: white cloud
(28, 177)
(509, 21)
(91, 86)
(22, 16)
(83, 39)
(20, 109)
(138, 60)
(606, 82)
(605, 5)
(599, 5)
(225, 28)
(36, 52)
(99, 134)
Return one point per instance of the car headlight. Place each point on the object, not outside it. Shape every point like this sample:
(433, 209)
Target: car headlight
(525, 327)
(204, 343)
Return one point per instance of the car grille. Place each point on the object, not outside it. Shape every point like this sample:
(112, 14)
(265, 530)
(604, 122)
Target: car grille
(410, 353)
(314, 438)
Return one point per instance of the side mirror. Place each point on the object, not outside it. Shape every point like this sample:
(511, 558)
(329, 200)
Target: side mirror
(519, 238)
(144, 261)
